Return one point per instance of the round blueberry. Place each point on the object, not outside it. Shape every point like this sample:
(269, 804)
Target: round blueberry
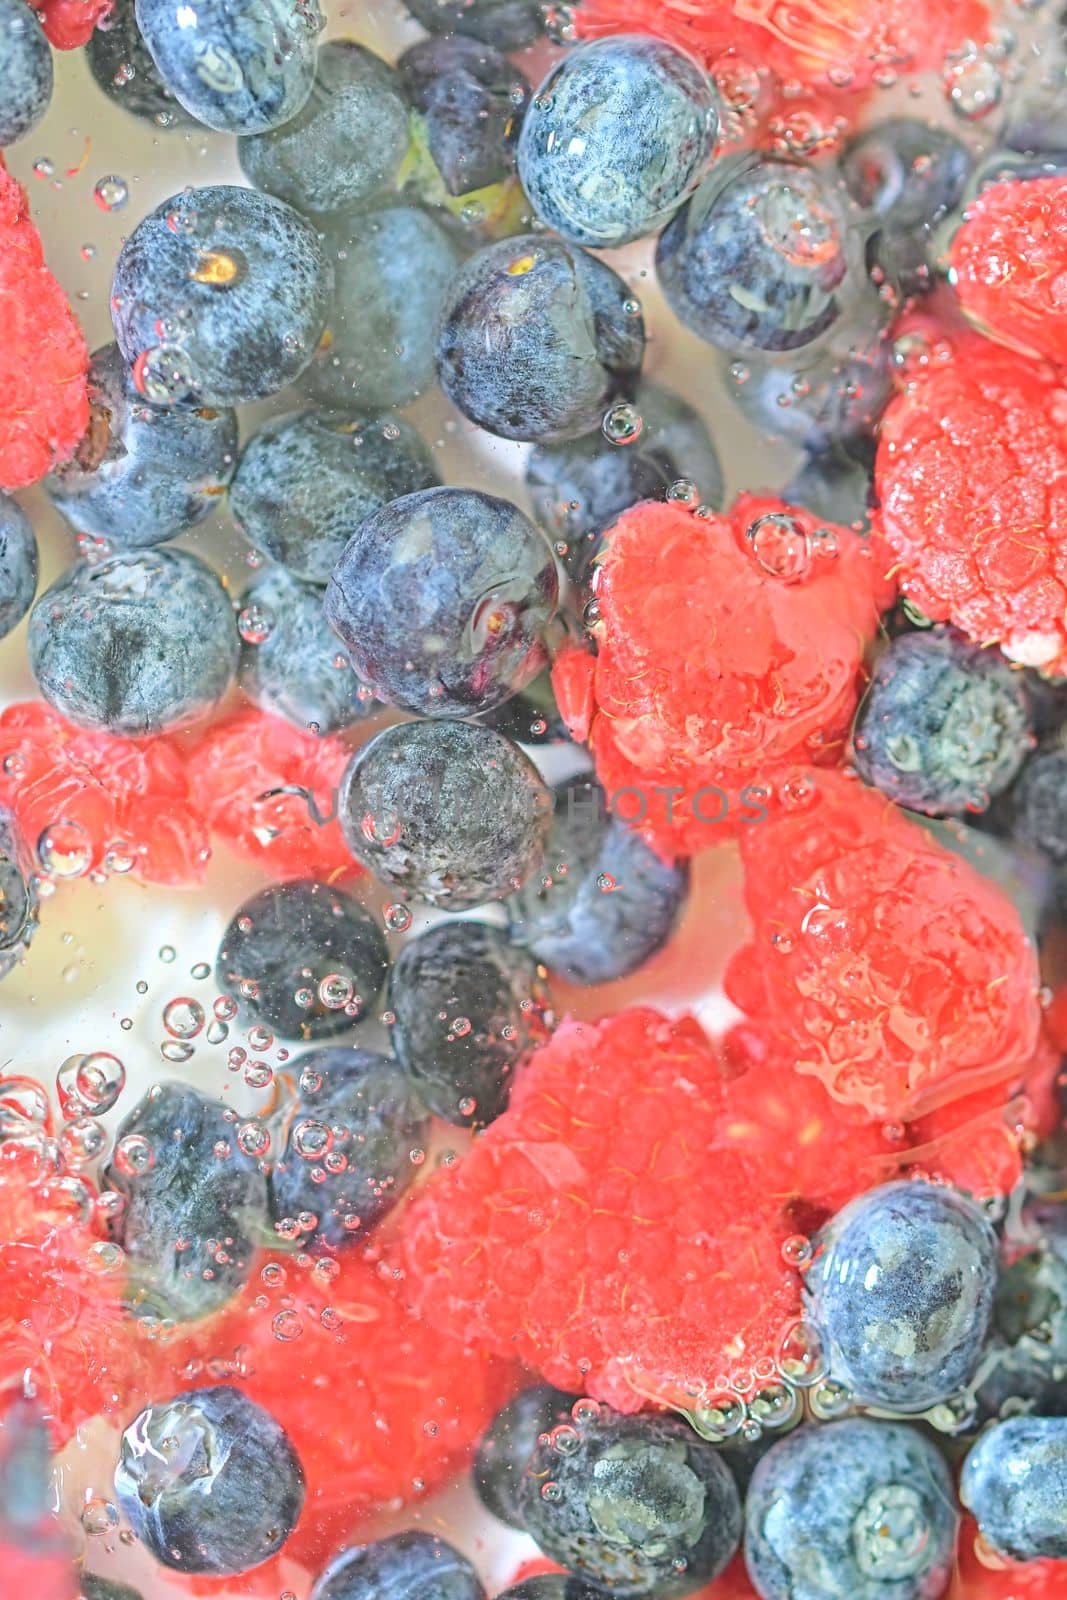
(901, 1292)
(825, 398)
(209, 1482)
(505, 24)
(508, 1444)
(406, 1566)
(606, 902)
(442, 600)
(25, 71)
(184, 1177)
(142, 473)
(305, 959)
(835, 487)
(93, 1587)
(1015, 1484)
(393, 268)
(136, 644)
(448, 811)
(122, 65)
(235, 66)
(18, 564)
(291, 664)
(757, 258)
(637, 1505)
(907, 175)
(853, 1510)
(18, 893)
(356, 1105)
(944, 726)
(468, 1008)
(347, 143)
(220, 295)
(1039, 803)
(1028, 1346)
(469, 102)
(551, 1586)
(536, 339)
(617, 135)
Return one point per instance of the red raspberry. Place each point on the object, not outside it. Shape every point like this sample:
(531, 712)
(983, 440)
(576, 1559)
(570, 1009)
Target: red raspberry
(70, 23)
(887, 967)
(131, 799)
(727, 647)
(44, 401)
(245, 757)
(972, 480)
(1010, 265)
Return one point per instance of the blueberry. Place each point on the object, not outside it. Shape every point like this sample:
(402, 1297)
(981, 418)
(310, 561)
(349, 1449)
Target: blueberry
(835, 486)
(305, 482)
(393, 268)
(468, 1007)
(854, 1510)
(122, 65)
(580, 488)
(220, 295)
(196, 1205)
(536, 338)
(606, 902)
(551, 1586)
(306, 960)
(469, 101)
(18, 564)
(637, 1505)
(364, 1109)
(944, 726)
(18, 894)
(136, 644)
(828, 397)
(617, 135)
(236, 67)
(1027, 1354)
(1015, 1483)
(296, 669)
(757, 259)
(505, 24)
(453, 813)
(442, 600)
(347, 143)
(907, 175)
(901, 1291)
(1039, 803)
(406, 1566)
(93, 1587)
(142, 473)
(25, 71)
(508, 1445)
(209, 1482)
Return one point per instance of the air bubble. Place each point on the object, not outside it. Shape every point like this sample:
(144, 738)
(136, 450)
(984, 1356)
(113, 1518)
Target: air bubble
(287, 1326)
(974, 87)
(134, 1155)
(622, 424)
(183, 1018)
(65, 850)
(801, 1357)
(780, 546)
(719, 1417)
(255, 623)
(254, 1139)
(111, 193)
(312, 1140)
(177, 1050)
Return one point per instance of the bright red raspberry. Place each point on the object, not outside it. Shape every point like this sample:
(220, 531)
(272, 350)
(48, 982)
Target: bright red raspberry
(44, 401)
(70, 23)
(727, 648)
(972, 481)
(240, 764)
(130, 801)
(1010, 264)
(886, 966)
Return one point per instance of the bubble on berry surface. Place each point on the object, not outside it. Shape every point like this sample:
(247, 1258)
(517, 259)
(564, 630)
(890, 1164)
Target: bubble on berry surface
(99, 1516)
(255, 623)
(286, 1326)
(310, 1081)
(260, 1037)
(335, 991)
(183, 1018)
(719, 1416)
(134, 1155)
(796, 1250)
(163, 374)
(775, 1405)
(312, 1140)
(254, 1139)
(622, 424)
(802, 1354)
(258, 1074)
(65, 850)
(804, 232)
(120, 857)
(830, 1399)
(780, 545)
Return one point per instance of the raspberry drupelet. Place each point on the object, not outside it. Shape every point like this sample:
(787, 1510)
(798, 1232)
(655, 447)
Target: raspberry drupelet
(1009, 265)
(71, 23)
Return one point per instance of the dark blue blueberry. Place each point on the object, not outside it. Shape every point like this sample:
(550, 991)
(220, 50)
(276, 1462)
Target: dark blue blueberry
(537, 338)
(442, 600)
(908, 176)
(220, 295)
(828, 397)
(605, 902)
(901, 1292)
(469, 1007)
(18, 564)
(469, 102)
(305, 482)
(505, 24)
(142, 473)
(25, 71)
(757, 259)
(406, 1566)
(854, 1510)
(1027, 1354)
(551, 1586)
(18, 893)
(209, 1482)
(196, 1205)
(239, 66)
(1015, 1483)
(581, 487)
(944, 726)
(637, 1505)
(122, 65)
(1038, 803)
(307, 960)
(508, 1445)
(347, 143)
(136, 643)
(297, 670)
(393, 269)
(834, 486)
(356, 1105)
(93, 1587)
(618, 134)
(448, 811)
